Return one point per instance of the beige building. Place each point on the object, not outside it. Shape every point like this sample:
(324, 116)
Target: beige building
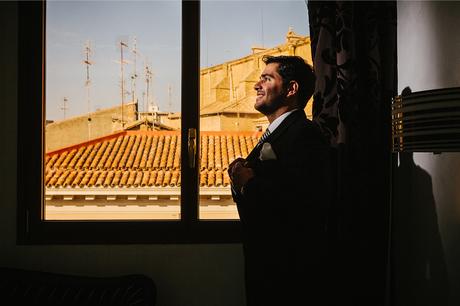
(226, 102)
(63, 133)
(227, 90)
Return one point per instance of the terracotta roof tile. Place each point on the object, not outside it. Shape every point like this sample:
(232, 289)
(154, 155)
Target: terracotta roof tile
(61, 159)
(101, 178)
(176, 162)
(152, 178)
(93, 178)
(139, 152)
(175, 179)
(109, 179)
(203, 178)
(211, 178)
(61, 178)
(145, 153)
(158, 151)
(68, 181)
(116, 178)
(131, 178)
(219, 181)
(118, 151)
(131, 151)
(91, 152)
(151, 154)
(51, 160)
(226, 178)
(95, 156)
(77, 180)
(49, 173)
(164, 152)
(85, 180)
(104, 153)
(52, 181)
(204, 152)
(124, 178)
(144, 159)
(76, 157)
(109, 153)
(159, 180)
(138, 178)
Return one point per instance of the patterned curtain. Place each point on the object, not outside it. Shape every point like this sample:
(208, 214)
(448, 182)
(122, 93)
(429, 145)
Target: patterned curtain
(354, 57)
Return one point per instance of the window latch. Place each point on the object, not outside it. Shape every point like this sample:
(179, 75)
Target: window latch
(191, 147)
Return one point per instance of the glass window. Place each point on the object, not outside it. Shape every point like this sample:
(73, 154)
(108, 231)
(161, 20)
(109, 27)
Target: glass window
(113, 110)
(113, 90)
(235, 36)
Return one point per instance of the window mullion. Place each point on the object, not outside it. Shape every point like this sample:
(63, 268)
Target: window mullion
(190, 108)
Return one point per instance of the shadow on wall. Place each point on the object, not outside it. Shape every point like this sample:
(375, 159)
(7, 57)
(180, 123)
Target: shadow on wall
(419, 273)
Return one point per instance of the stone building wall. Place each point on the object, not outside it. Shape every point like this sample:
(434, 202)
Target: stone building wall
(78, 129)
(235, 80)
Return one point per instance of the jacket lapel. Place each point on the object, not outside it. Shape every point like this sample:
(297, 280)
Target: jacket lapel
(288, 121)
(299, 114)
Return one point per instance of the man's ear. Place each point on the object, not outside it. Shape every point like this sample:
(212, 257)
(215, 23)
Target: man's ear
(292, 89)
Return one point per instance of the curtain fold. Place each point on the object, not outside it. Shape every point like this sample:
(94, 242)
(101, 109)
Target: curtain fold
(354, 57)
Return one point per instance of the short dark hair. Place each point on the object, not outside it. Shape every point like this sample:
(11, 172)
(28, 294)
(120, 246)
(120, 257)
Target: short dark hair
(294, 68)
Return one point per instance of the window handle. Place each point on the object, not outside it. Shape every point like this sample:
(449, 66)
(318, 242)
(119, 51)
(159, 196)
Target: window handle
(191, 147)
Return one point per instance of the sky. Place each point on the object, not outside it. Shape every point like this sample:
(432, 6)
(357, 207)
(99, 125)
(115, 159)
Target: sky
(228, 31)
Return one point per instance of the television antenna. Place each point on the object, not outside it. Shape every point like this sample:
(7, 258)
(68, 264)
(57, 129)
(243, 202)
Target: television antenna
(64, 106)
(170, 97)
(134, 75)
(87, 62)
(148, 80)
(122, 62)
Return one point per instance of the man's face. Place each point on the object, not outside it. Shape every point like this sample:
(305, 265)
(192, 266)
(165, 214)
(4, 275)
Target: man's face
(270, 91)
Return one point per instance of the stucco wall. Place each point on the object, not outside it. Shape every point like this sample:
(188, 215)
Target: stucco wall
(235, 73)
(78, 129)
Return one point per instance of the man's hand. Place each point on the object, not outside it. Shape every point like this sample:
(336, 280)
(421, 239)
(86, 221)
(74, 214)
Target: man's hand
(239, 173)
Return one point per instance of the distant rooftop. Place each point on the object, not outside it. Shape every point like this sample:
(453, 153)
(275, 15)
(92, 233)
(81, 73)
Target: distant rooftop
(143, 159)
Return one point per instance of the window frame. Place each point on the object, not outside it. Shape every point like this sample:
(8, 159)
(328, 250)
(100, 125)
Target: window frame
(31, 226)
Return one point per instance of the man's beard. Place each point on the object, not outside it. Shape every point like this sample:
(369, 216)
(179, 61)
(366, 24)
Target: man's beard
(270, 108)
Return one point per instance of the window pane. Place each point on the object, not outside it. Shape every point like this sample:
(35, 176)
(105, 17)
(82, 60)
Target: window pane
(231, 60)
(112, 135)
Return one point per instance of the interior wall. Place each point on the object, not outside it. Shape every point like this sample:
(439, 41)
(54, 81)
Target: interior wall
(185, 274)
(426, 207)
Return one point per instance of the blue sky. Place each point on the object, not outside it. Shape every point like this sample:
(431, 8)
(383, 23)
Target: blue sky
(228, 30)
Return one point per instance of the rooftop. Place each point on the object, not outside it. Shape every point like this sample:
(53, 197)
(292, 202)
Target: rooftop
(133, 159)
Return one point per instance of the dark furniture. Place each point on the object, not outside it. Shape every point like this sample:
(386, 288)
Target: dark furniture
(23, 287)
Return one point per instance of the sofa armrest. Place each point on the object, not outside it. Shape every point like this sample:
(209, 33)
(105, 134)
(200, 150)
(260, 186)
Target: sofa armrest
(23, 287)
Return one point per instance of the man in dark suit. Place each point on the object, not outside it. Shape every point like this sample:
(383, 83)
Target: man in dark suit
(281, 191)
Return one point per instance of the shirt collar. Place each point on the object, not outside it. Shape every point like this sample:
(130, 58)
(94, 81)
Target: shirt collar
(272, 127)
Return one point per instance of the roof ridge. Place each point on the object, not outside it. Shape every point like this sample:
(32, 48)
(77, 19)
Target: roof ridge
(95, 141)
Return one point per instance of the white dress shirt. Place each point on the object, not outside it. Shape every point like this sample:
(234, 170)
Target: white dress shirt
(272, 127)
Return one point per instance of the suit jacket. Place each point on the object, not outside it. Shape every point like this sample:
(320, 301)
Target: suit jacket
(283, 212)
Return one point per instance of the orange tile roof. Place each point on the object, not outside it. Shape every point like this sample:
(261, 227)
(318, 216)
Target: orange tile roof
(144, 159)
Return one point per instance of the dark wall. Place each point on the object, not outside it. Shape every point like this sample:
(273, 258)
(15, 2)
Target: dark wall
(426, 206)
(185, 274)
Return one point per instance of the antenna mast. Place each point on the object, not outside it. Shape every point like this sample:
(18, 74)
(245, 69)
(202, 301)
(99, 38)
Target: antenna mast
(148, 80)
(170, 97)
(87, 62)
(134, 75)
(122, 44)
(64, 106)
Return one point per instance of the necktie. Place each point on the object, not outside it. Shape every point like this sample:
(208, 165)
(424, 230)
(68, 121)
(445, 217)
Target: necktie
(264, 136)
